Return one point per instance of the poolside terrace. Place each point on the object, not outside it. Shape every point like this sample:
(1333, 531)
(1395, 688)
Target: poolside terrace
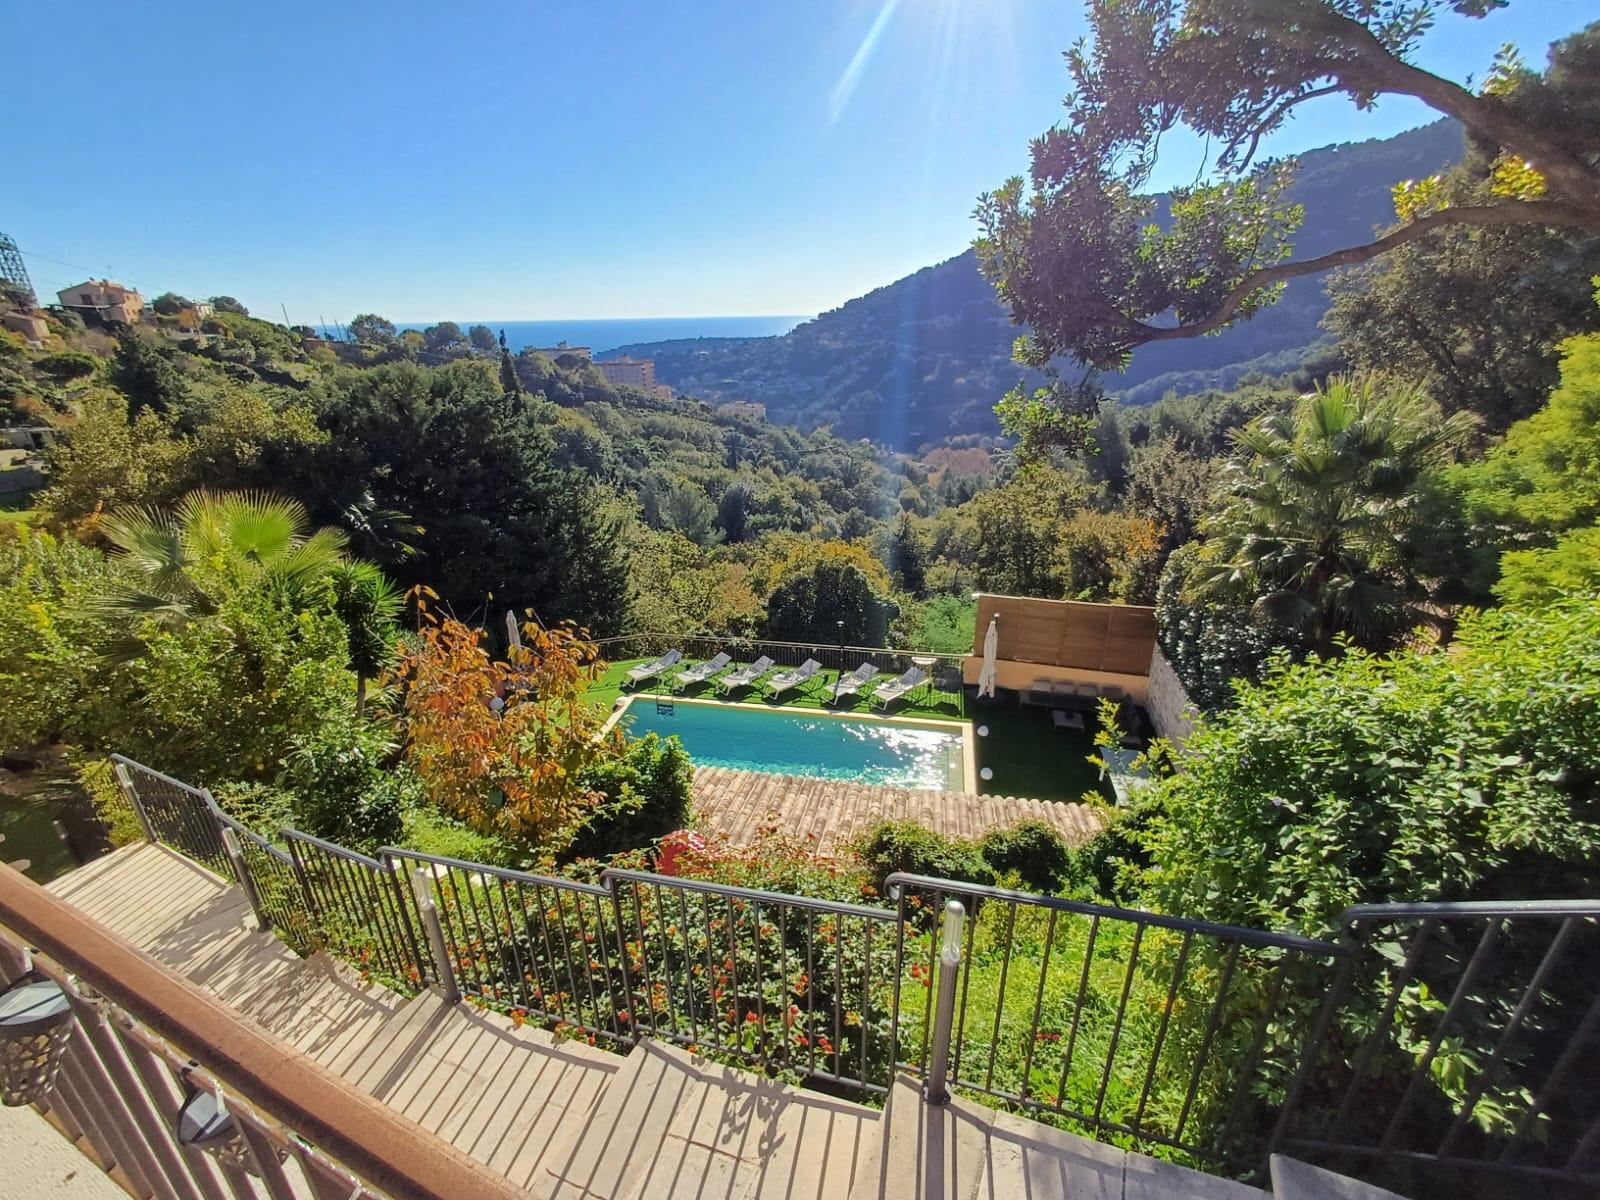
(1026, 754)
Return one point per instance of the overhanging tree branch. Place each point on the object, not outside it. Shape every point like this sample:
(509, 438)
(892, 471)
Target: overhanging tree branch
(1372, 67)
(1518, 212)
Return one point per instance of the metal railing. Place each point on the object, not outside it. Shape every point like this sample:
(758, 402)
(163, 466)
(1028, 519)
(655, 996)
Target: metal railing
(788, 983)
(529, 944)
(358, 904)
(832, 655)
(1426, 1036)
(1467, 1037)
(174, 813)
(1161, 1029)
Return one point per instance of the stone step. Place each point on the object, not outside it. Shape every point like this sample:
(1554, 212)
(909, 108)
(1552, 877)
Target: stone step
(672, 1125)
(967, 1151)
(1296, 1180)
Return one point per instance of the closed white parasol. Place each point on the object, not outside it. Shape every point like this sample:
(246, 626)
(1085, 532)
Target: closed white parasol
(513, 634)
(991, 649)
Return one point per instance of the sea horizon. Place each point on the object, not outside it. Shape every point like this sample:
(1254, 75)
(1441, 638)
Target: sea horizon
(604, 334)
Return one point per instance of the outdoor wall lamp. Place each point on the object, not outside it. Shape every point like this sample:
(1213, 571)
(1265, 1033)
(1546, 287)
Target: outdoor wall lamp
(35, 1026)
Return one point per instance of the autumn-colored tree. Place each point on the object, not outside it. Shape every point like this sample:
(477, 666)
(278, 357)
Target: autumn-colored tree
(513, 768)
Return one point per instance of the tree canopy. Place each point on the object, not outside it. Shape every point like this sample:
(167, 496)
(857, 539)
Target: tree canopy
(1081, 257)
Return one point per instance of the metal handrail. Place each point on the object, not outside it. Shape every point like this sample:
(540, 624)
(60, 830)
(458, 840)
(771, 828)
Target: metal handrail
(1469, 908)
(250, 835)
(754, 895)
(1239, 933)
(1229, 982)
(366, 860)
(464, 864)
(1509, 982)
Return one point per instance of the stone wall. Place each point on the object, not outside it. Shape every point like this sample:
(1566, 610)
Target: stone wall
(1167, 703)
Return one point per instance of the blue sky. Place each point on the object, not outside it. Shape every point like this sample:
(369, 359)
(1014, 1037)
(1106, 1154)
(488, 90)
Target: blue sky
(552, 160)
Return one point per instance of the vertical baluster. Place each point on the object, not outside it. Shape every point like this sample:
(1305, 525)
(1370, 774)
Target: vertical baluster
(1000, 995)
(1213, 1020)
(1038, 1009)
(1077, 1007)
(1161, 1033)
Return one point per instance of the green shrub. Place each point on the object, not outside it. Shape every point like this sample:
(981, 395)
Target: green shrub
(343, 790)
(67, 365)
(110, 804)
(774, 862)
(1034, 853)
(430, 831)
(261, 806)
(649, 792)
(892, 846)
(1110, 864)
(1468, 775)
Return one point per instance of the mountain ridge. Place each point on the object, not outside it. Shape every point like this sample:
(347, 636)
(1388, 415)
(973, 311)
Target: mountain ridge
(924, 358)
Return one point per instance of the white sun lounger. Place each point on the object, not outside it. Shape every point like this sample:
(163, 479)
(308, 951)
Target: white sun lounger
(784, 681)
(745, 676)
(653, 668)
(701, 672)
(899, 686)
(851, 684)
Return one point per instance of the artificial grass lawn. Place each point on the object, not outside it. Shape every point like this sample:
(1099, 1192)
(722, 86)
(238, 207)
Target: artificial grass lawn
(1028, 755)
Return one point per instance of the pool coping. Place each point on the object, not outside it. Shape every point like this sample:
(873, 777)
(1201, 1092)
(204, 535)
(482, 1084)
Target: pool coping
(969, 750)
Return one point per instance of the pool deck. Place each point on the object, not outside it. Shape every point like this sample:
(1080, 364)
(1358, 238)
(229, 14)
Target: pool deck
(740, 805)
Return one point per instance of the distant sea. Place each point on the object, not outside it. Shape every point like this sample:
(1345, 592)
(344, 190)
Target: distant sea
(603, 335)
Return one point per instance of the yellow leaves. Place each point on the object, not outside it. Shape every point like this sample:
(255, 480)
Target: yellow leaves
(1506, 74)
(1415, 198)
(1514, 178)
(42, 619)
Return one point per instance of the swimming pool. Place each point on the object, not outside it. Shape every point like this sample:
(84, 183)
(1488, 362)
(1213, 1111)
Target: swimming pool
(786, 741)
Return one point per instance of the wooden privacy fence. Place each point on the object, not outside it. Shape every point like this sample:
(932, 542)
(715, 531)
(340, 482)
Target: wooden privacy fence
(1114, 638)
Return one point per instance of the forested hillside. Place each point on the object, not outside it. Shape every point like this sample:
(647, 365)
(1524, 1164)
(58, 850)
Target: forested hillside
(926, 357)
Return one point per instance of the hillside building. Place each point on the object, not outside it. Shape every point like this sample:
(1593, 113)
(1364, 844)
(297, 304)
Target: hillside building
(31, 326)
(561, 348)
(104, 300)
(628, 371)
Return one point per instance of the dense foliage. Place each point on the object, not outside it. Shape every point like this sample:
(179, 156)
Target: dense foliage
(1414, 776)
(1327, 524)
(646, 793)
(505, 746)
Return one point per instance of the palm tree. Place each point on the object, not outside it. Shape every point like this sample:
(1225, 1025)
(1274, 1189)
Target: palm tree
(1324, 502)
(182, 558)
(369, 605)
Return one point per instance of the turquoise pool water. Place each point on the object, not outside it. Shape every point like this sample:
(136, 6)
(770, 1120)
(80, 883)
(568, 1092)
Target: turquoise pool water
(790, 742)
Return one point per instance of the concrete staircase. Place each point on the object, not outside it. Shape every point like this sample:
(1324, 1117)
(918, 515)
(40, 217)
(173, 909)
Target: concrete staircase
(567, 1121)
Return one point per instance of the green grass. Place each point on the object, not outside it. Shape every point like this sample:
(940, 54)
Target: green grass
(1027, 755)
(17, 507)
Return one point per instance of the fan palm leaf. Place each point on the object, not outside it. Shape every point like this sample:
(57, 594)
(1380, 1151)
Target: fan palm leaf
(178, 559)
(1321, 499)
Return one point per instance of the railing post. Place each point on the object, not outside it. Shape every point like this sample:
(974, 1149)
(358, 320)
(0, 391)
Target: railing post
(125, 782)
(241, 872)
(396, 871)
(422, 885)
(937, 1090)
(622, 956)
